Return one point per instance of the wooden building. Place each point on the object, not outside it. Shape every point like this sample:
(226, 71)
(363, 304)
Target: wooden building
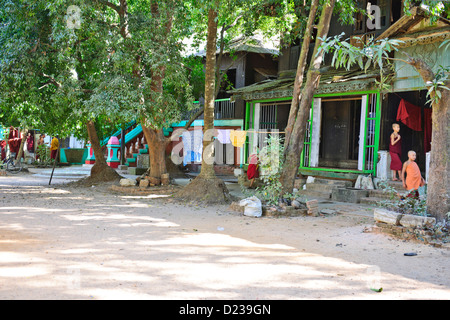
(351, 118)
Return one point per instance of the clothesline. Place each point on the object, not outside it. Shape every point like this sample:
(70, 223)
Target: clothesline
(257, 131)
(194, 141)
(253, 131)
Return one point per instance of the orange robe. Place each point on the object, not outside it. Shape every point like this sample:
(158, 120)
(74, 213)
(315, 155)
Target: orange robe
(413, 176)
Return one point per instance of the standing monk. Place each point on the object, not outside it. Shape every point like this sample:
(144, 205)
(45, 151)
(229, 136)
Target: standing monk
(14, 141)
(30, 143)
(414, 178)
(395, 151)
(39, 143)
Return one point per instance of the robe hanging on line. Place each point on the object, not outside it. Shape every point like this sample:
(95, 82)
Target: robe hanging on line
(410, 115)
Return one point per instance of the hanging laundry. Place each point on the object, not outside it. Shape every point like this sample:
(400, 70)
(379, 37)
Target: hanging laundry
(410, 115)
(192, 146)
(223, 135)
(197, 141)
(238, 138)
(187, 147)
(427, 129)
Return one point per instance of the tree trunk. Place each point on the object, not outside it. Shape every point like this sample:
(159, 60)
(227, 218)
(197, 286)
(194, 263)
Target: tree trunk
(154, 136)
(100, 171)
(301, 70)
(157, 151)
(22, 143)
(295, 146)
(207, 187)
(207, 170)
(438, 189)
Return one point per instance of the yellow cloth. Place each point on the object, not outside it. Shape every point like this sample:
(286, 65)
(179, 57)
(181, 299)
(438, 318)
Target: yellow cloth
(238, 138)
(55, 144)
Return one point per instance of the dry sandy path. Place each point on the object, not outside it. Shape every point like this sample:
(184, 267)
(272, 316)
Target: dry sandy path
(88, 243)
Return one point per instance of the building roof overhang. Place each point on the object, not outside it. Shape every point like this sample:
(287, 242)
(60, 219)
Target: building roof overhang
(417, 28)
(331, 81)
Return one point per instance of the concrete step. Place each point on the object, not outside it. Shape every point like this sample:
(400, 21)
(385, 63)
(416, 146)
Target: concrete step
(397, 185)
(311, 194)
(378, 193)
(371, 200)
(336, 183)
(321, 187)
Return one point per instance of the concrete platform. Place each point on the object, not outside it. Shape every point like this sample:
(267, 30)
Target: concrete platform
(349, 194)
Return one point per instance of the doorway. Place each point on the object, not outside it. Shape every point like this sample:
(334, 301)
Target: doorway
(340, 130)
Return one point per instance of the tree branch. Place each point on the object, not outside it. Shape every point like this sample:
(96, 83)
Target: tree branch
(421, 67)
(51, 80)
(194, 117)
(111, 5)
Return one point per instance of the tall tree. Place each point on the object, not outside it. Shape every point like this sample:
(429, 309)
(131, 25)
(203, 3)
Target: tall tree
(206, 186)
(29, 63)
(147, 60)
(295, 145)
(234, 17)
(301, 66)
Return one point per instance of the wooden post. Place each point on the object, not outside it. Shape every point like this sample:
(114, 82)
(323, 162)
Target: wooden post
(54, 165)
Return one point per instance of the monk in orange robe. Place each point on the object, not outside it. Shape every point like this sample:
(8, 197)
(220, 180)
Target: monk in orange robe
(414, 178)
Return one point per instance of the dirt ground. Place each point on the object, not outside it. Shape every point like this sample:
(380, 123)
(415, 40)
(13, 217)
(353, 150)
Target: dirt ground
(61, 242)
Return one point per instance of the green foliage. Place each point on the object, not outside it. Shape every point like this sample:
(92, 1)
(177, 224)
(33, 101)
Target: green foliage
(406, 204)
(437, 84)
(434, 8)
(43, 152)
(55, 77)
(374, 54)
(270, 166)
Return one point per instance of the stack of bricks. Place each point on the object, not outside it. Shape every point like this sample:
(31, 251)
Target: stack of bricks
(313, 207)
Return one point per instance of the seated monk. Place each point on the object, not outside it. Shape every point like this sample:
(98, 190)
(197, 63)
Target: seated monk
(252, 171)
(414, 178)
(3, 148)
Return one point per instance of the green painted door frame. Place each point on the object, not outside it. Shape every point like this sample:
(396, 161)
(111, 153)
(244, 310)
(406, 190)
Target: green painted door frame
(250, 108)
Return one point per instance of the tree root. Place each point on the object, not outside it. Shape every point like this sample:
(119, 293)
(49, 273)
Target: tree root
(206, 191)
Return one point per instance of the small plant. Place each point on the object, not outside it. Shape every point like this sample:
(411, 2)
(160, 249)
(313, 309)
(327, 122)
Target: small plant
(43, 154)
(437, 85)
(271, 163)
(406, 204)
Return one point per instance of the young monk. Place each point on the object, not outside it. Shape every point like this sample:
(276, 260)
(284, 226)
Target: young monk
(414, 178)
(252, 171)
(395, 151)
